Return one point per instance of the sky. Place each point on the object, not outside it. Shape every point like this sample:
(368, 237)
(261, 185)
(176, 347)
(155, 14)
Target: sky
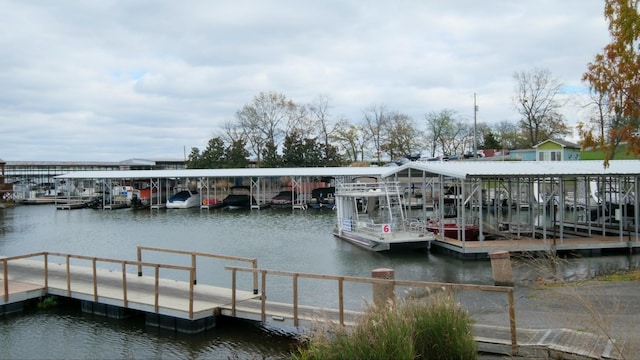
(150, 79)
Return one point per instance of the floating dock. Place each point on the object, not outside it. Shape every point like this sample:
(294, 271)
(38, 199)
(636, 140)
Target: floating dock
(189, 308)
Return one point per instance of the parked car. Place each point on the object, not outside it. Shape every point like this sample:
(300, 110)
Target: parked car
(479, 154)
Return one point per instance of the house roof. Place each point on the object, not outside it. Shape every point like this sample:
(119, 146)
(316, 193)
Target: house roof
(562, 143)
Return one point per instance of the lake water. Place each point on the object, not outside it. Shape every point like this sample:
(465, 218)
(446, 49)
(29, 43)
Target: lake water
(299, 241)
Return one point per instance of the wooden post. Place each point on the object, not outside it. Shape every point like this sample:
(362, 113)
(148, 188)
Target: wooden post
(263, 305)
(295, 299)
(383, 292)
(233, 292)
(193, 265)
(124, 285)
(95, 280)
(501, 266)
(139, 251)
(341, 299)
(192, 275)
(157, 290)
(46, 273)
(5, 274)
(512, 322)
(254, 262)
(68, 278)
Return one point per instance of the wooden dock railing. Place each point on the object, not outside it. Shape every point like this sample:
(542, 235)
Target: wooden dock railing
(295, 276)
(94, 260)
(195, 254)
(342, 279)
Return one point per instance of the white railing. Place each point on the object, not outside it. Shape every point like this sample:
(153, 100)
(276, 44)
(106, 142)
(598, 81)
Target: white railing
(381, 187)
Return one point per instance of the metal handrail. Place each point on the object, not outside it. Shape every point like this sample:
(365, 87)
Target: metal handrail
(391, 187)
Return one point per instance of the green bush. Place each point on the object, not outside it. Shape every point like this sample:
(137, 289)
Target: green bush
(48, 302)
(432, 328)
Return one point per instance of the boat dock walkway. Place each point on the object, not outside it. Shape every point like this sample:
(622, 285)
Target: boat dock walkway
(189, 307)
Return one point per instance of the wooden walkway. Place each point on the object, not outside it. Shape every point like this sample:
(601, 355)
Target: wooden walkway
(24, 279)
(594, 244)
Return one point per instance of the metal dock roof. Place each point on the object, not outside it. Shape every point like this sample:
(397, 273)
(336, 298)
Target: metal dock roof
(457, 169)
(226, 173)
(486, 169)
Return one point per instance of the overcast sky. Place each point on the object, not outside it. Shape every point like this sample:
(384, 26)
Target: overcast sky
(114, 80)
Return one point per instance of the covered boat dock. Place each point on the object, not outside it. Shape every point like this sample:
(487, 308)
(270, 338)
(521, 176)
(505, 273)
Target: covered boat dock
(518, 206)
(532, 206)
(209, 184)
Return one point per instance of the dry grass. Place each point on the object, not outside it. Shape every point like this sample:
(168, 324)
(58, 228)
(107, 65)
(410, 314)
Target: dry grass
(593, 308)
(434, 327)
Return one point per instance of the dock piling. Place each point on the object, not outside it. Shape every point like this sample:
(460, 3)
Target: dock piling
(383, 293)
(501, 267)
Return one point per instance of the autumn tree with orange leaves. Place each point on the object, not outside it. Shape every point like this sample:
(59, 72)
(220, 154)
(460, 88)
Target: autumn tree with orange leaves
(614, 81)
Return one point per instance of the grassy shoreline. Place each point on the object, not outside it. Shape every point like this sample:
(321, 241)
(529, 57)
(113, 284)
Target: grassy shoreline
(621, 275)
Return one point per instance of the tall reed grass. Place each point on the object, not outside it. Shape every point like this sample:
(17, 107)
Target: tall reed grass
(417, 328)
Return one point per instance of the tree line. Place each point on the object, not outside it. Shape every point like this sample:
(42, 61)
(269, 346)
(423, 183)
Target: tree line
(274, 131)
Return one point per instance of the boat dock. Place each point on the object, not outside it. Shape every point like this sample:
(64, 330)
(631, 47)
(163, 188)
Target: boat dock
(574, 206)
(192, 307)
(593, 245)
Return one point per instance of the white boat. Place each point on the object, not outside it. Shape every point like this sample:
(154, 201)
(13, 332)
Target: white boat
(183, 200)
(371, 216)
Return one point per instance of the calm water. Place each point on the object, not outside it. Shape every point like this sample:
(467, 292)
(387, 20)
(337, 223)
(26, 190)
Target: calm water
(280, 240)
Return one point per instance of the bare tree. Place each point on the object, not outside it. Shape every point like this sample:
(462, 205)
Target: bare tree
(509, 135)
(400, 135)
(299, 121)
(536, 102)
(439, 126)
(375, 118)
(319, 111)
(263, 119)
(232, 132)
(352, 139)
(453, 142)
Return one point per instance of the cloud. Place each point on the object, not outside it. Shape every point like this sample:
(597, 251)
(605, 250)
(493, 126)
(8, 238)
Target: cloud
(113, 80)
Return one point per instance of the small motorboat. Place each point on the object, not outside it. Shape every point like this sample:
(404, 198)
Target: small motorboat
(183, 200)
(284, 198)
(239, 198)
(451, 224)
(323, 198)
(452, 230)
(212, 203)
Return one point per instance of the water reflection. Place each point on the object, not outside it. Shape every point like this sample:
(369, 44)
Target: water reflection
(68, 334)
(297, 241)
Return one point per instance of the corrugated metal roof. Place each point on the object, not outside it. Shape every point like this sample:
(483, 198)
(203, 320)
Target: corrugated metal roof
(62, 163)
(457, 169)
(474, 169)
(226, 173)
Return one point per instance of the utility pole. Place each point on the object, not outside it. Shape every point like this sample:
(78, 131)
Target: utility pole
(475, 141)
